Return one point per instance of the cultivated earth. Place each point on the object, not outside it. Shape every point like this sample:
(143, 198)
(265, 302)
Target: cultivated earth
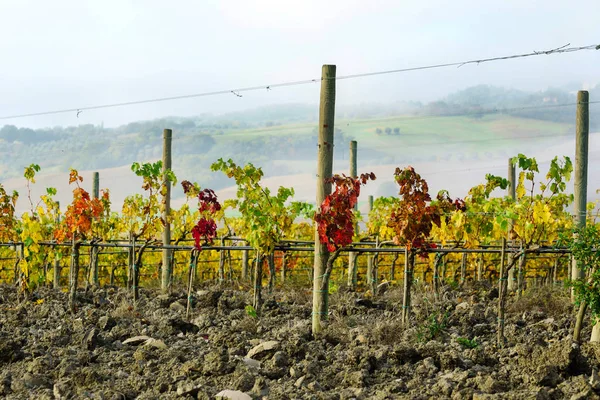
(111, 349)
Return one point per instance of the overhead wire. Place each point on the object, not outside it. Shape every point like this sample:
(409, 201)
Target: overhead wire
(237, 91)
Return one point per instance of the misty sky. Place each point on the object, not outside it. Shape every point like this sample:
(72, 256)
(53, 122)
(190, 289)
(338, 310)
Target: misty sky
(68, 54)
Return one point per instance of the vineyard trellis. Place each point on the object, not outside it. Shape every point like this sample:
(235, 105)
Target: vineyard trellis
(424, 230)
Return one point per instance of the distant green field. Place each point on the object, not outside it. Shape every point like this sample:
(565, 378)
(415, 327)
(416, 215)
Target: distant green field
(437, 135)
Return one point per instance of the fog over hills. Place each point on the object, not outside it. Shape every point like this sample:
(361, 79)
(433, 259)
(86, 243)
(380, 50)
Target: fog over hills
(453, 142)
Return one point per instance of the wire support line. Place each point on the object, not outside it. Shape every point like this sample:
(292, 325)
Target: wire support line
(559, 50)
(539, 250)
(269, 87)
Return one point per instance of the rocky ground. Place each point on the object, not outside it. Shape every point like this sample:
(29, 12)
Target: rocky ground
(111, 349)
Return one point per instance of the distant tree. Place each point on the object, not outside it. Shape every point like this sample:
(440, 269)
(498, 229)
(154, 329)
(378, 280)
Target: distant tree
(269, 124)
(396, 131)
(378, 131)
(10, 133)
(388, 131)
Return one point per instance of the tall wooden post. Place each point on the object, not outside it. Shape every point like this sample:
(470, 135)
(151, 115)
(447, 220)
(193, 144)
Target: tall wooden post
(512, 179)
(582, 131)
(582, 125)
(324, 172)
(95, 250)
(166, 253)
(352, 266)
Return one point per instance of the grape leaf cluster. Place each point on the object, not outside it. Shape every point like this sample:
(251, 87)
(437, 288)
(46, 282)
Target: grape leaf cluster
(208, 205)
(335, 220)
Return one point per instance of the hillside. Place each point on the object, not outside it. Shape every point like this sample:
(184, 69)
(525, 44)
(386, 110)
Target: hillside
(454, 153)
(467, 134)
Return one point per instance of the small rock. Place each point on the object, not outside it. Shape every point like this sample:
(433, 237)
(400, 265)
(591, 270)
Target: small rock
(263, 347)
(159, 344)
(188, 389)
(136, 340)
(106, 323)
(252, 363)
(233, 395)
(177, 306)
(300, 381)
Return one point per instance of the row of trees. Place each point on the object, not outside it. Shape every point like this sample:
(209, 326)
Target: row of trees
(388, 131)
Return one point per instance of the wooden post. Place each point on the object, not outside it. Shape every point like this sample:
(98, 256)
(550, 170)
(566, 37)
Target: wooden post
(130, 261)
(521, 275)
(409, 267)
(192, 273)
(271, 263)
(73, 274)
(352, 265)
(436, 275)
(222, 262)
(56, 280)
(244, 265)
(463, 268)
(94, 250)
(257, 302)
(283, 266)
(512, 279)
(324, 172)
(369, 274)
(371, 257)
(373, 277)
(582, 125)
(501, 296)
(96, 188)
(167, 273)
